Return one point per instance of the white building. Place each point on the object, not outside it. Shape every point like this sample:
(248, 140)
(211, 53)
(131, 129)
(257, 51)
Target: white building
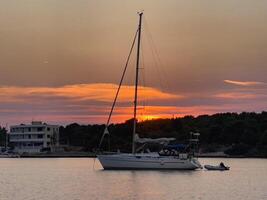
(34, 137)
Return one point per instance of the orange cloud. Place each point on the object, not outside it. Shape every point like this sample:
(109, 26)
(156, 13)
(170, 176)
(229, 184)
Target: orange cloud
(244, 83)
(236, 95)
(98, 92)
(91, 103)
(73, 103)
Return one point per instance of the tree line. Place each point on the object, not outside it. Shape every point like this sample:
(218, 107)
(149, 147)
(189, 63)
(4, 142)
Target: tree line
(3, 133)
(238, 134)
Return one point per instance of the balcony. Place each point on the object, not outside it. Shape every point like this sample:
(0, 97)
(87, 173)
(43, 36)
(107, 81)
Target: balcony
(28, 139)
(27, 132)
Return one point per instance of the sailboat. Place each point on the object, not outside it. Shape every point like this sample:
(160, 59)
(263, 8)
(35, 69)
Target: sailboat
(143, 161)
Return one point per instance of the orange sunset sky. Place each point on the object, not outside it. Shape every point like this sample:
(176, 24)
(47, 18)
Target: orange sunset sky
(61, 60)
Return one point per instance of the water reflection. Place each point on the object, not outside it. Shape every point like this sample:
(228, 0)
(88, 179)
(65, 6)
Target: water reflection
(71, 178)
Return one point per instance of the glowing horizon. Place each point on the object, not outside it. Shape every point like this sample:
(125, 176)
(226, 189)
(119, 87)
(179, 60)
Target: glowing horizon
(91, 103)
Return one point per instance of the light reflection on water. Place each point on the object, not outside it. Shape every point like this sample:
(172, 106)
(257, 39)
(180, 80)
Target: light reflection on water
(78, 179)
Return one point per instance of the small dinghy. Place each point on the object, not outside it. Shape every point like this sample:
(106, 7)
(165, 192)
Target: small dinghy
(220, 167)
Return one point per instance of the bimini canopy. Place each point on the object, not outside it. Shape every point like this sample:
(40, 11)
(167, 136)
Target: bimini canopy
(150, 140)
(175, 146)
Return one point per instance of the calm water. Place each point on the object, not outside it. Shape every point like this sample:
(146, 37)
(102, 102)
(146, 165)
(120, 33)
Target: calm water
(76, 178)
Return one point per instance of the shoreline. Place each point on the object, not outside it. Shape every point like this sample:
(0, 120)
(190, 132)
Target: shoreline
(93, 155)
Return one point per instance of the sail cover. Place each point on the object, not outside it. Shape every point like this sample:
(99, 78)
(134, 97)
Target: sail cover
(151, 140)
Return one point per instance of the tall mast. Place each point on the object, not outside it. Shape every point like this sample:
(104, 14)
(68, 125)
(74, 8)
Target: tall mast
(136, 80)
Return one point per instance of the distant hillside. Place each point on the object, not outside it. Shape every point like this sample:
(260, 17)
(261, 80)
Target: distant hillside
(236, 134)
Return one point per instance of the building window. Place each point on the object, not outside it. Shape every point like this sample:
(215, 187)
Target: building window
(30, 136)
(48, 128)
(40, 129)
(40, 136)
(48, 136)
(38, 144)
(29, 129)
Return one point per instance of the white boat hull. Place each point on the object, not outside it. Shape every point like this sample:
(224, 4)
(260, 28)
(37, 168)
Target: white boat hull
(143, 162)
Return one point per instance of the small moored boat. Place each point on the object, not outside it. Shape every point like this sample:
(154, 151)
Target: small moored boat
(220, 167)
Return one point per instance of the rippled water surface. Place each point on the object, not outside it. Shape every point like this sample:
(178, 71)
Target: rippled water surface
(79, 178)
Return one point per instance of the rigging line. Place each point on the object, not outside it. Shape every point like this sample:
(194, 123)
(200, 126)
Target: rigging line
(143, 76)
(118, 90)
(123, 74)
(161, 65)
(154, 58)
(94, 163)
